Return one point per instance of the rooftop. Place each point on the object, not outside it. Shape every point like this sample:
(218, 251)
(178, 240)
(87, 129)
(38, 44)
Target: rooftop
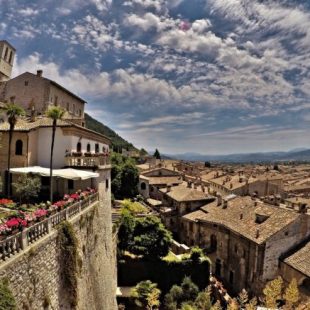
(25, 125)
(240, 216)
(299, 260)
(182, 193)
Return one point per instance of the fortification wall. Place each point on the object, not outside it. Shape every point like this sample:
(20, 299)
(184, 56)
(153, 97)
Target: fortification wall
(36, 274)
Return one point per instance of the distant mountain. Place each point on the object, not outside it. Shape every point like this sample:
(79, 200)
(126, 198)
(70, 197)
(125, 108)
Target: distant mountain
(301, 154)
(117, 141)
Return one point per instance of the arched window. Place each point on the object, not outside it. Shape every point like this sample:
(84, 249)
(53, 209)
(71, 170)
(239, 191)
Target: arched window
(96, 148)
(103, 149)
(79, 147)
(143, 186)
(19, 147)
(213, 242)
(6, 54)
(88, 147)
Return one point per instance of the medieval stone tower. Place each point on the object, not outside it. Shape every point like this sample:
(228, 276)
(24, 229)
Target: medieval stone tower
(7, 54)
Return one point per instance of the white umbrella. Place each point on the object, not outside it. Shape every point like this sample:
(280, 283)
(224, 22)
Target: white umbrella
(69, 173)
(75, 174)
(35, 169)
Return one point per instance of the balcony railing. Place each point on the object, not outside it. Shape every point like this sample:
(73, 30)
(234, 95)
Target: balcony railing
(87, 161)
(22, 240)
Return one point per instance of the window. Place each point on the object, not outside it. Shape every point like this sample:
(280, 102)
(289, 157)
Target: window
(218, 267)
(231, 277)
(68, 106)
(236, 248)
(103, 149)
(56, 100)
(79, 147)
(143, 186)
(26, 83)
(6, 53)
(88, 147)
(107, 184)
(80, 112)
(19, 147)
(70, 184)
(213, 242)
(12, 99)
(11, 57)
(96, 148)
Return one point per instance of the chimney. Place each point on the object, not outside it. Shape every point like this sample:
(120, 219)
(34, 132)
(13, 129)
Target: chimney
(241, 216)
(189, 184)
(302, 208)
(219, 200)
(168, 188)
(33, 115)
(257, 233)
(225, 204)
(39, 73)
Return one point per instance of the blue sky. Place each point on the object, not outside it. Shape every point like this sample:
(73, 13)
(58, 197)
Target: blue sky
(208, 76)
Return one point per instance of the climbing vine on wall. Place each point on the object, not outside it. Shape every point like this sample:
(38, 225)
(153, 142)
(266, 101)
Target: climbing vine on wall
(69, 260)
(7, 300)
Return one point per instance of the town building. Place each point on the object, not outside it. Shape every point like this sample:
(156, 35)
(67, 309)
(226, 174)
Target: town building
(7, 55)
(75, 146)
(178, 201)
(151, 181)
(245, 239)
(36, 93)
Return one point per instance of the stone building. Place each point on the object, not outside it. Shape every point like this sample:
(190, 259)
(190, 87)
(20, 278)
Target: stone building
(36, 93)
(245, 239)
(180, 200)
(239, 184)
(75, 147)
(150, 182)
(296, 264)
(7, 55)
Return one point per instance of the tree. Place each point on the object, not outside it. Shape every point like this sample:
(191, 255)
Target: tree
(129, 180)
(133, 207)
(143, 152)
(125, 231)
(157, 154)
(181, 296)
(146, 295)
(207, 164)
(203, 301)
(217, 306)
(273, 292)
(13, 113)
(27, 187)
(291, 295)
(54, 113)
(150, 238)
(125, 177)
(196, 254)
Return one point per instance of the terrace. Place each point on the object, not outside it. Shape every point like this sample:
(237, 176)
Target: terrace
(24, 228)
(88, 160)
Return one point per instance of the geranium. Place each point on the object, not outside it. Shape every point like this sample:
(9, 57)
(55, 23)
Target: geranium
(4, 229)
(66, 197)
(75, 196)
(29, 217)
(60, 203)
(16, 222)
(5, 201)
(40, 213)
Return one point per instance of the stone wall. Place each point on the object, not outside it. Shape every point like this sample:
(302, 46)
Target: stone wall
(35, 276)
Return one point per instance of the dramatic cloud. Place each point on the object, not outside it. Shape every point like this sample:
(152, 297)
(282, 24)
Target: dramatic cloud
(220, 74)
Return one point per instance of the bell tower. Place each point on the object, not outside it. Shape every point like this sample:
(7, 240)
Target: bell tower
(7, 55)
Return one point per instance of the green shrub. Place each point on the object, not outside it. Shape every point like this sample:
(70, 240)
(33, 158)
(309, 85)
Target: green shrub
(69, 259)
(7, 300)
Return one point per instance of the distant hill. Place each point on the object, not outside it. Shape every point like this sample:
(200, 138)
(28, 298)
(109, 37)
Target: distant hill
(117, 141)
(301, 154)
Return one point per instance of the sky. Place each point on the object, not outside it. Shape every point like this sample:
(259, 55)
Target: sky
(205, 76)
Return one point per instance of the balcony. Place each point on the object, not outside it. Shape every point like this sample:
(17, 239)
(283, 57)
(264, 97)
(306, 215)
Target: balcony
(77, 160)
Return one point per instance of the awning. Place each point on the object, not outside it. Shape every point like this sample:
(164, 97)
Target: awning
(75, 174)
(69, 173)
